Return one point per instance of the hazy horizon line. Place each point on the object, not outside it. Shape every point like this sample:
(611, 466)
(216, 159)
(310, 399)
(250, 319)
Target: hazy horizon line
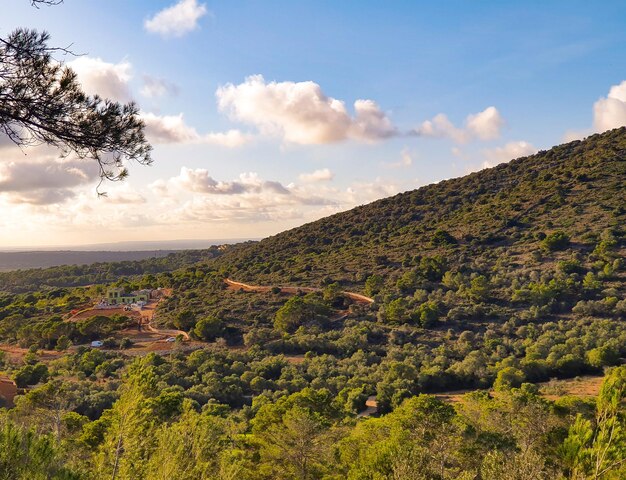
(129, 245)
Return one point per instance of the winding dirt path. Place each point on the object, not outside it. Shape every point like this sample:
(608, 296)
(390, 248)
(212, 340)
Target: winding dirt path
(147, 315)
(165, 332)
(357, 297)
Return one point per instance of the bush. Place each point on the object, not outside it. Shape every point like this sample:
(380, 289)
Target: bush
(602, 356)
(209, 328)
(509, 377)
(30, 375)
(442, 238)
(556, 241)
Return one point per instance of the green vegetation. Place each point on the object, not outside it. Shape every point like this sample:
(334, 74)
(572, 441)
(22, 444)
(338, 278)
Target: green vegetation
(154, 427)
(19, 281)
(492, 283)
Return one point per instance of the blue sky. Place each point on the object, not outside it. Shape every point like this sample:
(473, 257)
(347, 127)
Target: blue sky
(450, 88)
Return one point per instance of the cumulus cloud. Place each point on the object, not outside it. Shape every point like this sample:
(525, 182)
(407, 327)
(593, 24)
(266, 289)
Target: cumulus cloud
(177, 20)
(321, 175)
(195, 196)
(173, 129)
(610, 112)
(199, 181)
(44, 181)
(441, 126)
(157, 87)
(507, 152)
(108, 80)
(301, 113)
(370, 123)
(485, 125)
(248, 198)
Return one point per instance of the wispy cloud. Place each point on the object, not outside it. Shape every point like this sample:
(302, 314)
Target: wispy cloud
(321, 175)
(157, 87)
(173, 129)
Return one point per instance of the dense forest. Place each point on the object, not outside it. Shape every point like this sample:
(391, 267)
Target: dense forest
(494, 284)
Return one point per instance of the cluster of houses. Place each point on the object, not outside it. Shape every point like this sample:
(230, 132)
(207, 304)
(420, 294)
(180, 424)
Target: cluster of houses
(116, 297)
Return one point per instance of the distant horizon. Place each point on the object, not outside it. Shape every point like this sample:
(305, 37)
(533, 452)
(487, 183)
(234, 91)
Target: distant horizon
(129, 246)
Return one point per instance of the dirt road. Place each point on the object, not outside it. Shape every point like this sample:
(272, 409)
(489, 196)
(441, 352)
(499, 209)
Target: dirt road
(357, 297)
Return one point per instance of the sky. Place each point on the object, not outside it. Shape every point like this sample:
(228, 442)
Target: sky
(267, 115)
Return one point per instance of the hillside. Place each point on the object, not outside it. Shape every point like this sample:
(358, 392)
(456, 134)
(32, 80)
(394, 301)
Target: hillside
(521, 265)
(483, 288)
(577, 187)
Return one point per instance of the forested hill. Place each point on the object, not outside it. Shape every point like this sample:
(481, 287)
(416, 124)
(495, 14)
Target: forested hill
(577, 189)
(44, 258)
(100, 272)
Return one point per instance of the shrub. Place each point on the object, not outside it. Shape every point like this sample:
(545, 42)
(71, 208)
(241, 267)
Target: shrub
(208, 328)
(509, 377)
(442, 238)
(556, 241)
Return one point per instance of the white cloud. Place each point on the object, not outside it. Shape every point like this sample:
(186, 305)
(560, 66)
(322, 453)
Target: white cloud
(610, 112)
(173, 129)
(177, 20)
(322, 175)
(194, 196)
(44, 180)
(199, 181)
(157, 87)
(370, 122)
(483, 125)
(108, 80)
(301, 113)
(441, 126)
(511, 150)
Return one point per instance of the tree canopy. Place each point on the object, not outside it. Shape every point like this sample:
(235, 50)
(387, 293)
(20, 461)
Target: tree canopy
(42, 102)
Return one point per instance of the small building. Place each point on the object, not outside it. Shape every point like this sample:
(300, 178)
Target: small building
(117, 296)
(8, 391)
